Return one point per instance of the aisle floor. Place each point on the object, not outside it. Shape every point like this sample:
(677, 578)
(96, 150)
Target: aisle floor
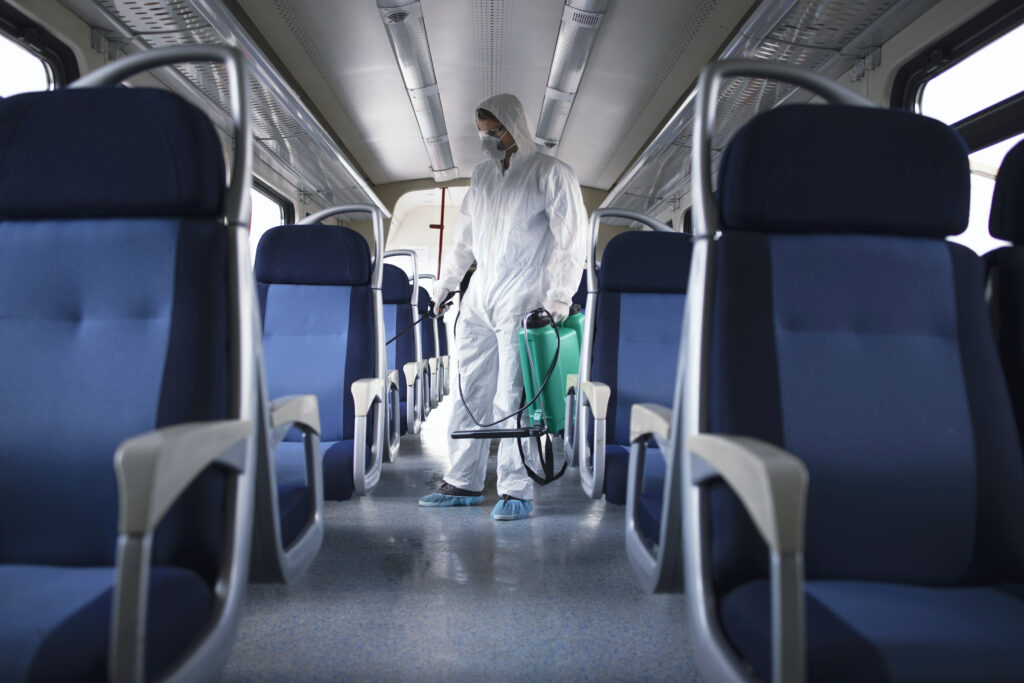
(403, 593)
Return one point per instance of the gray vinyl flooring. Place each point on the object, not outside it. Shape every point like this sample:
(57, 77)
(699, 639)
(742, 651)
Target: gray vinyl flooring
(403, 593)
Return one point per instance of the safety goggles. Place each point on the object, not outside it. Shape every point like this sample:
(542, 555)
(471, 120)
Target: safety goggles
(498, 132)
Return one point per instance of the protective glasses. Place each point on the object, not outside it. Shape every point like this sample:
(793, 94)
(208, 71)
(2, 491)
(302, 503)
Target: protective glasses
(498, 132)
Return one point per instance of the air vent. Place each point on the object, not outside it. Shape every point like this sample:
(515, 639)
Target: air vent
(396, 17)
(586, 19)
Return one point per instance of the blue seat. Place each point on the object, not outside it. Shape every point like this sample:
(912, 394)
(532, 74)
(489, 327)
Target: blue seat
(413, 368)
(853, 487)
(316, 295)
(635, 332)
(437, 362)
(127, 436)
(445, 367)
(398, 316)
(580, 297)
(1005, 278)
(429, 351)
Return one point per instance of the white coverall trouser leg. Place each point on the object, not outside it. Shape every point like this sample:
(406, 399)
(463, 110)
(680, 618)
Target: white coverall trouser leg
(492, 386)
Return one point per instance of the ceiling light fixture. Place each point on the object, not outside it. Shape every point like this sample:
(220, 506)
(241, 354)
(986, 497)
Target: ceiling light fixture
(408, 35)
(581, 20)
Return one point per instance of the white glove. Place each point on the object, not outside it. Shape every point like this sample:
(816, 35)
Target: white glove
(440, 294)
(559, 311)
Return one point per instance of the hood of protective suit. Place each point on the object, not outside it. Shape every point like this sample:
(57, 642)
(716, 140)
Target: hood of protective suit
(509, 111)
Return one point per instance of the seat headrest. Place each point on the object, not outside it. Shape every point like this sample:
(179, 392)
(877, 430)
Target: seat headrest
(839, 169)
(644, 261)
(395, 286)
(313, 255)
(107, 152)
(1006, 221)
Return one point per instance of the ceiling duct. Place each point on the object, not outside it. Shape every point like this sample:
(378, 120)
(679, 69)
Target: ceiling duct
(408, 36)
(581, 20)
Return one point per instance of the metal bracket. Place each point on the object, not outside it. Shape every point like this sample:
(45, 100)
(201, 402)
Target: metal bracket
(107, 42)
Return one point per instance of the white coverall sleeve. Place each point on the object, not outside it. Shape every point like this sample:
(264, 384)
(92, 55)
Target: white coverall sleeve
(568, 220)
(459, 256)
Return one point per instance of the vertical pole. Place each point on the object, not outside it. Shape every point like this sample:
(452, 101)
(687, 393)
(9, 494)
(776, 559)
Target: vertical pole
(440, 236)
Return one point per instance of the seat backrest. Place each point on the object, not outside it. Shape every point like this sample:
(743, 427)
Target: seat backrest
(580, 297)
(115, 315)
(640, 303)
(1006, 274)
(845, 329)
(426, 327)
(398, 315)
(317, 303)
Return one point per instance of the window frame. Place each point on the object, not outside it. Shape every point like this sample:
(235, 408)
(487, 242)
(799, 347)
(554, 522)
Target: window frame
(288, 208)
(991, 125)
(57, 57)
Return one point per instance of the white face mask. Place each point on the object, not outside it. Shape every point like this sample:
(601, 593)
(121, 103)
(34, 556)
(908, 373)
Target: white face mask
(492, 146)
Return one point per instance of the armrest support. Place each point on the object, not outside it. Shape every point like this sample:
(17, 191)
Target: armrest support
(649, 419)
(155, 468)
(598, 394)
(412, 371)
(571, 382)
(364, 391)
(302, 410)
(770, 482)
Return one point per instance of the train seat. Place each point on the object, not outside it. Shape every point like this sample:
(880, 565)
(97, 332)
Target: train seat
(430, 355)
(1006, 274)
(640, 302)
(314, 284)
(398, 316)
(849, 363)
(126, 471)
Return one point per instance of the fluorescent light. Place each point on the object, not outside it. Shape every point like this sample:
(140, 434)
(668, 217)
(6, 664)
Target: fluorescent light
(408, 36)
(581, 20)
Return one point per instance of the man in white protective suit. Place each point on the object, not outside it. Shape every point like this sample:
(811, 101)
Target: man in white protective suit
(524, 223)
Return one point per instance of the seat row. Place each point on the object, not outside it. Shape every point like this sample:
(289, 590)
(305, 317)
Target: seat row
(839, 477)
(172, 418)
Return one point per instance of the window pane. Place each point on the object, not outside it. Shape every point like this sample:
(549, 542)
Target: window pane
(984, 166)
(267, 213)
(20, 70)
(988, 76)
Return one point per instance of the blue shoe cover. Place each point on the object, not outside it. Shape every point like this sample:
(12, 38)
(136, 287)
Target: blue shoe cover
(440, 500)
(509, 508)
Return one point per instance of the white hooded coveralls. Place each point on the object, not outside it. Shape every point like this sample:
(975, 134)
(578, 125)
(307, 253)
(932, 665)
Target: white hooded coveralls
(525, 228)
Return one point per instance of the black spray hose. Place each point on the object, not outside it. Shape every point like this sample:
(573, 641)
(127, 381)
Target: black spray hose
(425, 316)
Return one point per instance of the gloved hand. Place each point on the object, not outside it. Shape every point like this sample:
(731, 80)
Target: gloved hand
(558, 310)
(438, 300)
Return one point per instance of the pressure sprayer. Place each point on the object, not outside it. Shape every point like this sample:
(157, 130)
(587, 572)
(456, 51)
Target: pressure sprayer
(552, 348)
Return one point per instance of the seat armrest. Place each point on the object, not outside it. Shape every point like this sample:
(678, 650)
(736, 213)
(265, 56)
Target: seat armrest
(571, 382)
(649, 419)
(412, 371)
(364, 391)
(432, 364)
(155, 468)
(302, 410)
(598, 394)
(394, 377)
(770, 482)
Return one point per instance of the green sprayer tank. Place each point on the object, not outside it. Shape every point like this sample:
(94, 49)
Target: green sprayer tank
(544, 341)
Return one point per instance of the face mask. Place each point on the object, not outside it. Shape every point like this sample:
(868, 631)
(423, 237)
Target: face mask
(493, 148)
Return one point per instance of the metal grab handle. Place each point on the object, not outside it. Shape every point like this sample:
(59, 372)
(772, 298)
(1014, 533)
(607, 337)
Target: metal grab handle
(236, 203)
(705, 211)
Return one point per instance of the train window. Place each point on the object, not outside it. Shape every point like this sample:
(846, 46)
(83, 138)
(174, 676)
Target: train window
(269, 210)
(978, 95)
(22, 71)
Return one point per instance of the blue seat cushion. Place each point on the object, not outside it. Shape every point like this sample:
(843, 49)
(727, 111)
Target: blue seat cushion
(289, 463)
(55, 621)
(405, 419)
(865, 631)
(616, 472)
